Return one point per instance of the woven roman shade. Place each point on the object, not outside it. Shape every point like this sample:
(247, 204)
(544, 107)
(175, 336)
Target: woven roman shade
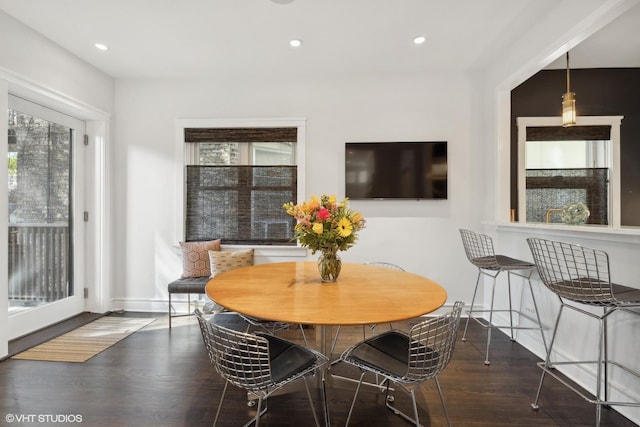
(240, 204)
(554, 188)
(240, 135)
(572, 133)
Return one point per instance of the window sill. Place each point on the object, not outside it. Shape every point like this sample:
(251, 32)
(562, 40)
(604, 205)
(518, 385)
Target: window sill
(595, 232)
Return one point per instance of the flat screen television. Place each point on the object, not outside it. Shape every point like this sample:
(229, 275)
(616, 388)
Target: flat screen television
(396, 170)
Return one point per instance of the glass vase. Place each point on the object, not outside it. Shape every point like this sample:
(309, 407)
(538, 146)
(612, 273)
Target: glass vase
(329, 265)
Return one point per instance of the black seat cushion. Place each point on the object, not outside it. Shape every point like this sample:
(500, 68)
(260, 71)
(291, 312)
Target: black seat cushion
(508, 263)
(501, 262)
(287, 358)
(389, 352)
(188, 285)
(596, 292)
(625, 294)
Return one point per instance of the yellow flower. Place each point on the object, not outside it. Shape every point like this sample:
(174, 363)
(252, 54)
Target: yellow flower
(344, 227)
(324, 224)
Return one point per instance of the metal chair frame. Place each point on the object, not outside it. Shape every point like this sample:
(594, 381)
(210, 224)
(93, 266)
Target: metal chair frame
(430, 347)
(479, 250)
(581, 275)
(270, 326)
(243, 360)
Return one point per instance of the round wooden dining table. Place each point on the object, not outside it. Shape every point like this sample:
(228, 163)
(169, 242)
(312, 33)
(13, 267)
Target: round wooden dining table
(293, 292)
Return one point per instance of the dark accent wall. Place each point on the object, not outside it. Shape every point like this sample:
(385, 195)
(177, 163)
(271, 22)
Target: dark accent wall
(599, 92)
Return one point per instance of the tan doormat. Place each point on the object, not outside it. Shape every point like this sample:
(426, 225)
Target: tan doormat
(83, 343)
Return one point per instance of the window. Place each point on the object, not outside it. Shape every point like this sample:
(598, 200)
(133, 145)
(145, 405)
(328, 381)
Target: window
(236, 180)
(558, 166)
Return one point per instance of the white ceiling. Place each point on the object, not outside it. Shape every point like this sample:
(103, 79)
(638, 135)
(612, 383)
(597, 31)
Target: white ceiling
(617, 45)
(206, 38)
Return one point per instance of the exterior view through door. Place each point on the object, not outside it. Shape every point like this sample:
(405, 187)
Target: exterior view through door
(41, 198)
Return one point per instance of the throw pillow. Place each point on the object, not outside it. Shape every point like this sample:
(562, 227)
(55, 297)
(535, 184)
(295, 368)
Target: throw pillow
(195, 257)
(222, 261)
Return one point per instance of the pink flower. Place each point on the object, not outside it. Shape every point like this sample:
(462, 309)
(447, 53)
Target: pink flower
(323, 214)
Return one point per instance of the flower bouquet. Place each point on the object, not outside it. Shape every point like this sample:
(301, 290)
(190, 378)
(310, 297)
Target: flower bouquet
(326, 226)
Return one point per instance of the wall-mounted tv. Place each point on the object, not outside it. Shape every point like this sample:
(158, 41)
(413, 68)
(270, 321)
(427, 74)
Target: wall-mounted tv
(396, 170)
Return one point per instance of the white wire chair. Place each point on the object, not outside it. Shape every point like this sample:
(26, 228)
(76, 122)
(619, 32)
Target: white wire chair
(270, 326)
(408, 359)
(581, 275)
(479, 250)
(259, 364)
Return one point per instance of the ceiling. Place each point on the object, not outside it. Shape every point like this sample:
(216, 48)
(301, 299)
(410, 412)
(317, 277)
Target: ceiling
(206, 38)
(617, 45)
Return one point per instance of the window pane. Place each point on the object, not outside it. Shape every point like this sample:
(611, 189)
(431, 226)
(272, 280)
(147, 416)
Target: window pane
(218, 153)
(548, 190)
(39, 158)
(273, 153)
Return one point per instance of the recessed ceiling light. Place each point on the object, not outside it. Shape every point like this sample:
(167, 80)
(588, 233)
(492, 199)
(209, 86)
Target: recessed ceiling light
(419, 39)
(295, 42)
(101, 46)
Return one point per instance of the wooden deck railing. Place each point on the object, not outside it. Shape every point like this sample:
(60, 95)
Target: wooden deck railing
(39, 262)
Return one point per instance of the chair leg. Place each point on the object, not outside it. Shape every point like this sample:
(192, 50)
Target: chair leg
(510, 305)
(444, 407)
(304, 336)
(170, 310)
(605, 348)
(601, 372)
(355, 396)
(535, 307)
(473, 301)
(313, 409)
(547, 362)
(398, 412)
(415, 407)
(493, 297)
(259, 413)
(224, 391)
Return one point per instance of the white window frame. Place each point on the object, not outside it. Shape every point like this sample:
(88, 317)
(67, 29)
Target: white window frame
(613, 157)
(183, 153)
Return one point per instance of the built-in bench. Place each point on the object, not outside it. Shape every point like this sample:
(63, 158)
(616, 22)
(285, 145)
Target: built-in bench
(186, 285)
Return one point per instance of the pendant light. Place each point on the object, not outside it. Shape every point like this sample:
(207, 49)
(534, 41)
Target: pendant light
(568, 103)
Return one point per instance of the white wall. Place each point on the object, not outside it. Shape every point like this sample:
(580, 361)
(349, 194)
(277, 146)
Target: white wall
(421, 236)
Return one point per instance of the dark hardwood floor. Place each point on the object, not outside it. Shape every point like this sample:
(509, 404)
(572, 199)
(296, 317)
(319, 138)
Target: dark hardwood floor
(158, 377)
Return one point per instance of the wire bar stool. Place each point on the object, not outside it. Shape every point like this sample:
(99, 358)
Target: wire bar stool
(581, 275)
(479, 250)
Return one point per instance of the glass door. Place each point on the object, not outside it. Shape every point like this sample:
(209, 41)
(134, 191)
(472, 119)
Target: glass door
(45, 224)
